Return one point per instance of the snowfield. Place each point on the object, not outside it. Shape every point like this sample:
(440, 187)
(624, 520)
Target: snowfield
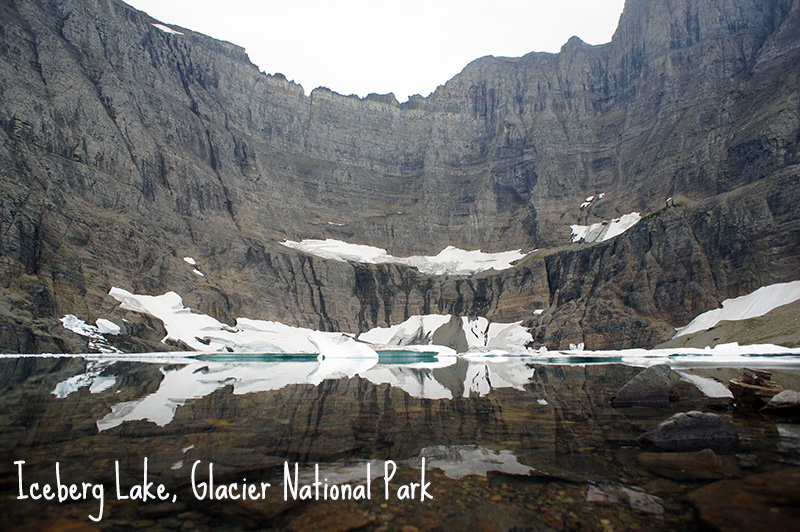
(602, 231)
(753, 305)
(449, 261)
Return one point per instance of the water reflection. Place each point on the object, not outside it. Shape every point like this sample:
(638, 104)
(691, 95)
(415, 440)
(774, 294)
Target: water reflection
(508, 441)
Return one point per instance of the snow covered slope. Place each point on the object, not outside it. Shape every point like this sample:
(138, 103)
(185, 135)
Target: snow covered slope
(758, 303)
(449, 261)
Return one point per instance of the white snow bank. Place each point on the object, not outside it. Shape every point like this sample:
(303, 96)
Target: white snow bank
(97, 342)
(722, 354)
(204, 333)
(602, 231)
(758, 303)
(105, 326)
(415, 330)
(480, 333)
(165, 29)
(450, 261)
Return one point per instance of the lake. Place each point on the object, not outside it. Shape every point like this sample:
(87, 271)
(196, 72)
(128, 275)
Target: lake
(287, 442)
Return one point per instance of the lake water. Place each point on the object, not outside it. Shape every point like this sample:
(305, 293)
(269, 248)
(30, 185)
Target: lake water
(507, 443)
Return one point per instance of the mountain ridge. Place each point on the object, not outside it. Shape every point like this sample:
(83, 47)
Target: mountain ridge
(126, 148)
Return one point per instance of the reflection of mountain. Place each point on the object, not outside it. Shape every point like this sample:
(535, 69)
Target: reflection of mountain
(552, 422)
(441, 380)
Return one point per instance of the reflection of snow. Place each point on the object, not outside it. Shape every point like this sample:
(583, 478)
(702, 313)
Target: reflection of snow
(457, 461)
(91, 378)
(449, 261)
(709, 387)
(758, 303)
(485, 374)
(198, 379)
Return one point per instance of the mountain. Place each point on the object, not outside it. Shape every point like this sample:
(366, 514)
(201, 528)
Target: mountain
(127, 146)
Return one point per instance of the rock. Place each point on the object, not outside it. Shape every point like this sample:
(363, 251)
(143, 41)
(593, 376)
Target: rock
(451, 334)
(766, 501)
(756, 377)
(755, 389)
(636, 497)
(785, 403)
(691, 430)
(650, 387)
(705, 464)
(335, 519)
(56, 525)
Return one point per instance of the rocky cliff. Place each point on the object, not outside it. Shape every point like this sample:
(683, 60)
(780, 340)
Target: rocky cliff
(124, 148)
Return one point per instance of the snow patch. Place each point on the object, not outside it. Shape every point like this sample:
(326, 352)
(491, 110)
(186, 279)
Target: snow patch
(105, 326)
(479, 332)
(757, 303)
(449, 261)
(97, 342)
(205, 333)
(415, 330)
(606, 230)
(166, 29)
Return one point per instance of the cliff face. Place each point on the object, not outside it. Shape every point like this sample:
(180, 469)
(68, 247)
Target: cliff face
(125, 148)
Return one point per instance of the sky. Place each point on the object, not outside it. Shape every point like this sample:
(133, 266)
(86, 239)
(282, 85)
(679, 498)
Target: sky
(408, 47)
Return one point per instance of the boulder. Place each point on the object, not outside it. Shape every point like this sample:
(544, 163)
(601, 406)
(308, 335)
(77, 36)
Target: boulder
(755, 389)
(786, 403)
(701, 465)
(690, 431)
(650, 387)
(766, 501)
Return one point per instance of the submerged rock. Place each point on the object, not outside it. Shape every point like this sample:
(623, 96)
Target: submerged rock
(637, 498)
(650, 387)
(785, 403)
(691, 430)
(705, 464)
(767, 501)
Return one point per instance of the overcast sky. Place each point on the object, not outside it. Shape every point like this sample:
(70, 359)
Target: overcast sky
(407, 47)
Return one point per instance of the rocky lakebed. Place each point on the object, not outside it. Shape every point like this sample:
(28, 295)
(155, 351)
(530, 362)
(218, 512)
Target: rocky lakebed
(481, 443)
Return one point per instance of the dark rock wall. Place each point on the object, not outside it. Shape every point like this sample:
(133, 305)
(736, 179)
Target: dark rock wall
(124, 149)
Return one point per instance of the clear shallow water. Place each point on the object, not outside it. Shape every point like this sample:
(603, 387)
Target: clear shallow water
(508, 442)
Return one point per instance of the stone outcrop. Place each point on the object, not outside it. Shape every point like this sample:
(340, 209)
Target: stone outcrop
(690, 431)
(124, 148)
